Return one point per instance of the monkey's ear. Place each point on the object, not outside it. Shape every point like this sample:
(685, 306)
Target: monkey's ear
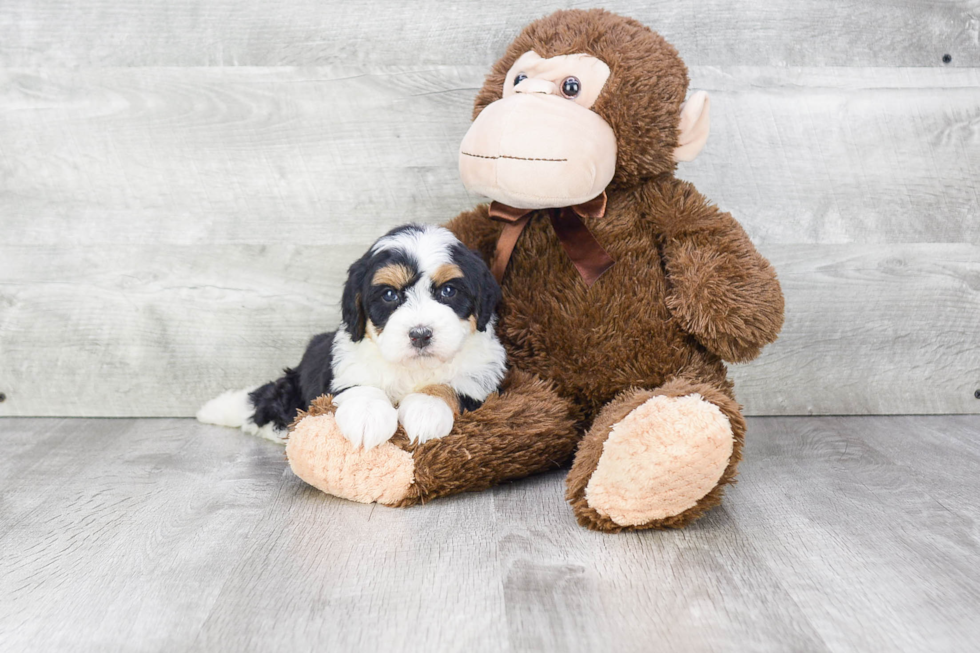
(694, 127)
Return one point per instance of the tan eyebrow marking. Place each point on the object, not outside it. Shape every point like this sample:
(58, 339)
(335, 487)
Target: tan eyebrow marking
(446, 272)
(396, 275)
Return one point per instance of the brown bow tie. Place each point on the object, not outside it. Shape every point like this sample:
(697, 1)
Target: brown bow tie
(588, 256)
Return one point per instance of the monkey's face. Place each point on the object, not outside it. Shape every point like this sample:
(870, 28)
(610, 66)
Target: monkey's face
(582, 101)
(541, 145)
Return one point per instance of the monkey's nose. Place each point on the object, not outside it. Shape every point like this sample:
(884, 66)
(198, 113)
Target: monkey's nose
(535, 85)
(420, 336)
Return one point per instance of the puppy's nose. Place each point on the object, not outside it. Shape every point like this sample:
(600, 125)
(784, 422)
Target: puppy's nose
(420, 336)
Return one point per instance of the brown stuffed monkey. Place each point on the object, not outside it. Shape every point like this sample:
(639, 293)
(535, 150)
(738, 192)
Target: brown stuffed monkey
(624, 291)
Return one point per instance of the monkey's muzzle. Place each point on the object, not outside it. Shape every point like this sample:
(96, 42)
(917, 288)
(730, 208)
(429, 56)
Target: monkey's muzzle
(535, 151)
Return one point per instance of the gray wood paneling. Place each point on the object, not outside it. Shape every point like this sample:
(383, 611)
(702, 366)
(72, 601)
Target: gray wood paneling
(324, 156)
(836, 155)
(183, 184)
(871, 329)
(156, 331)
(133, 156)
(843, 534)
(122, 330)
(308, 32)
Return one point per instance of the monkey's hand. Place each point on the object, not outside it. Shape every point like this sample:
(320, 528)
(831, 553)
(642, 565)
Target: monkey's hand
(721, 289)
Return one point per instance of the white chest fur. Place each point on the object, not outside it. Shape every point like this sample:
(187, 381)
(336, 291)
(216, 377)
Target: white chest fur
(475, 371)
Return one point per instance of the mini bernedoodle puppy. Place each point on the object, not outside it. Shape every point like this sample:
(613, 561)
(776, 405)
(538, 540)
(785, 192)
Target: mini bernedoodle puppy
(417, 346)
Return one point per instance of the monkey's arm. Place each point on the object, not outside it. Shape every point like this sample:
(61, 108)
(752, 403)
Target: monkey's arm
(525, 429)
(721, 289)
(476, 230)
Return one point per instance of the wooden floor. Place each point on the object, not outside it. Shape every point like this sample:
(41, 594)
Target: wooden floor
(844, 534)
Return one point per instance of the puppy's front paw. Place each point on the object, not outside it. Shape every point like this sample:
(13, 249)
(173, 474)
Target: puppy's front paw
(425, 417)
(365, 416)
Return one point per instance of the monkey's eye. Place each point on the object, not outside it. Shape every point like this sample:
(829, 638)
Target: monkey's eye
(389, 295)
(520, 78)
(571, 87)
(447, 291)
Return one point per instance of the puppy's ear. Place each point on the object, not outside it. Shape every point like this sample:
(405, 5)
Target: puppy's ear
(352, 302)
(487, 289)
(489, 298)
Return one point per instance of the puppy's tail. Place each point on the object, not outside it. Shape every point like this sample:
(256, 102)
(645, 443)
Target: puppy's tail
(236, 410)
(232, 408)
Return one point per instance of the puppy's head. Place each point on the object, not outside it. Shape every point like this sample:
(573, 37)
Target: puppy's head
(418, 294)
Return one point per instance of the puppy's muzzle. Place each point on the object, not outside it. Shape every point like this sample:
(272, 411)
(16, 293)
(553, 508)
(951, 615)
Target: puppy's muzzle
(420, 336)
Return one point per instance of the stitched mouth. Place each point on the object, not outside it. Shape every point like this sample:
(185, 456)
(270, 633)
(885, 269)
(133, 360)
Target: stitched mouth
(515, 158)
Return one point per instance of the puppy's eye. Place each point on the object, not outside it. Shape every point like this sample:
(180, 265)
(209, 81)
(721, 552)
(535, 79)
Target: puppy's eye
(520, 78)
(447, 291)
(571, 87)
(389, 295)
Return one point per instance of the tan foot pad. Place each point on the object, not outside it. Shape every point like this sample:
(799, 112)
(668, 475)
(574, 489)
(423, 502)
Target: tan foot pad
(660, 460)
(320, 455)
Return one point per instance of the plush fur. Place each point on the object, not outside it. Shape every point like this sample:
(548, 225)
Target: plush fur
(524, 430)
(640, 100)
(688, 292)
(418, 316)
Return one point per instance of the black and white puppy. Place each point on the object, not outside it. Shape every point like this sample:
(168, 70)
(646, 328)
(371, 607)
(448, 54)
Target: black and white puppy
(417, 346)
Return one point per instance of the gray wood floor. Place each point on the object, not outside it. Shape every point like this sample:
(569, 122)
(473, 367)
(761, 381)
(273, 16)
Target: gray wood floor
(844, 534)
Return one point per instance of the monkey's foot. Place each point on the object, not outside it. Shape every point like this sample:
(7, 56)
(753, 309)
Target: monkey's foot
(651, 462)
(320, 455)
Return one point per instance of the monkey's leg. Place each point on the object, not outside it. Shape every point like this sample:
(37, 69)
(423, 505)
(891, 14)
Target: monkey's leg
(657, 459)
(524, 430)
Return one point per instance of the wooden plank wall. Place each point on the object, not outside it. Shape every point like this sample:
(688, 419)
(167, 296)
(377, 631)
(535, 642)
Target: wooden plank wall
(182, 184)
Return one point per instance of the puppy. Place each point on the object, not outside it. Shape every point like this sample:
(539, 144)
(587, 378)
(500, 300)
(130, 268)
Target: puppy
(417, 346)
